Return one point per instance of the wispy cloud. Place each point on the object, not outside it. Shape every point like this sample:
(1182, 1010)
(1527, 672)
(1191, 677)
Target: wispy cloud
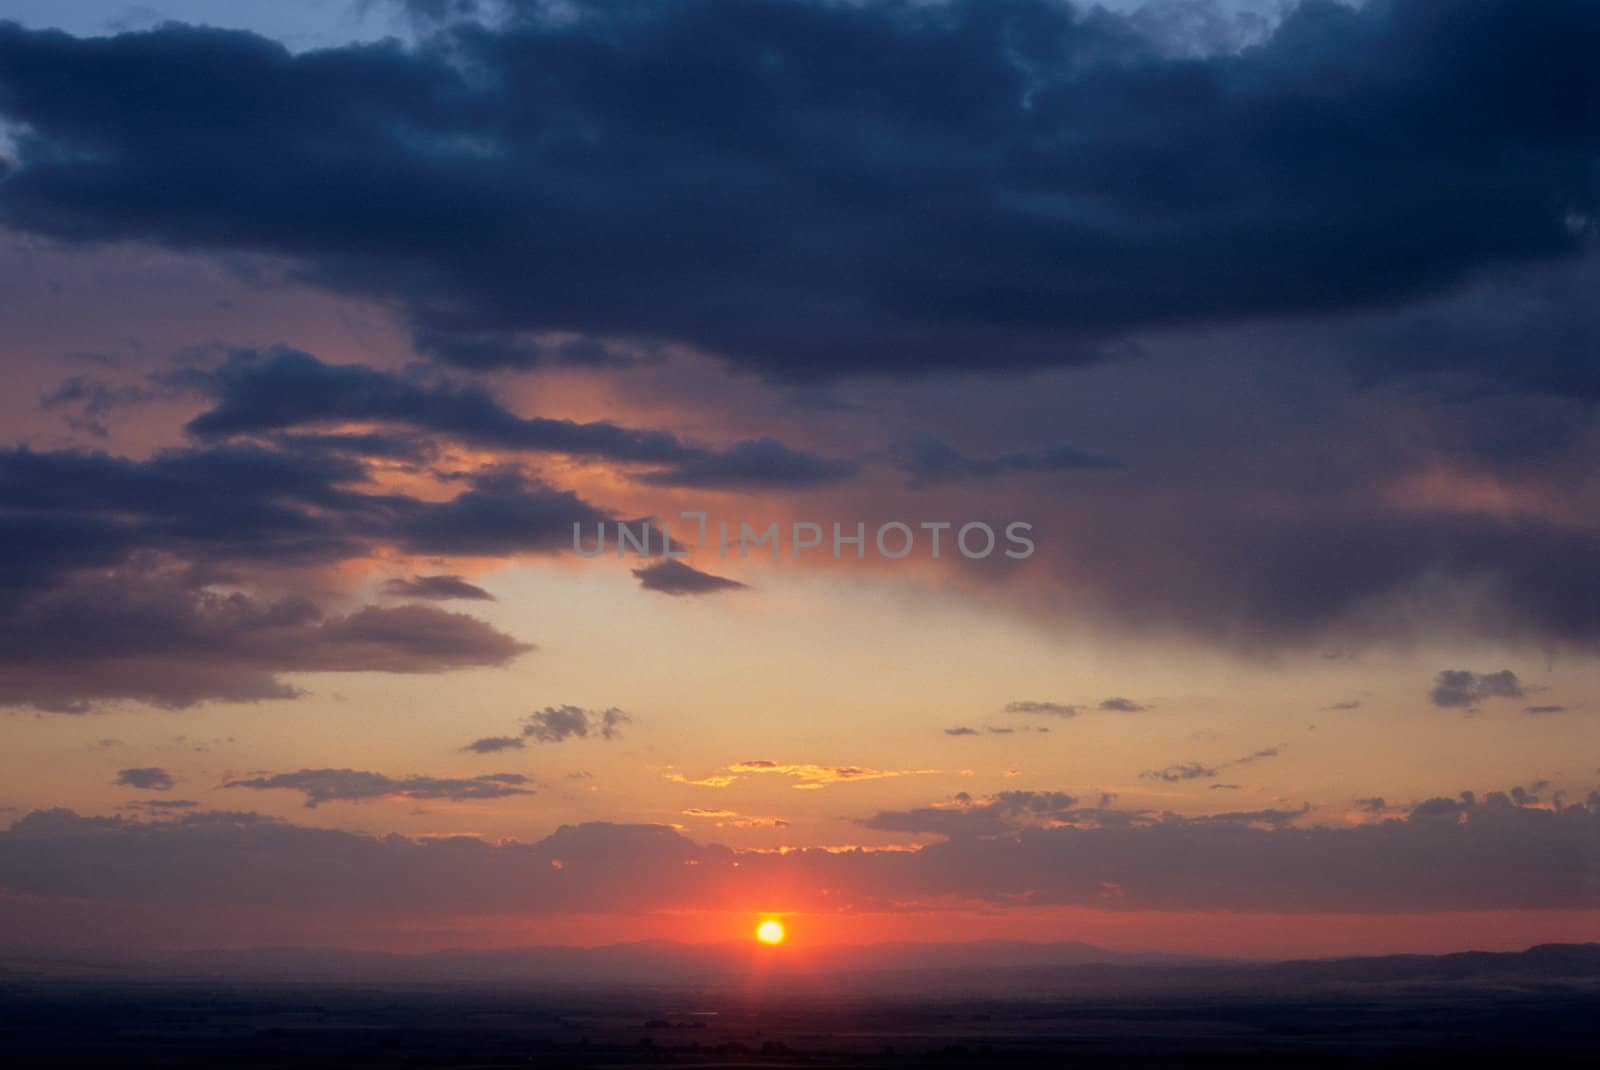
(351, 785)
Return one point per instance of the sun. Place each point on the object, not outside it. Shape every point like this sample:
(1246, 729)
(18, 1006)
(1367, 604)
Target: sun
(770, 932)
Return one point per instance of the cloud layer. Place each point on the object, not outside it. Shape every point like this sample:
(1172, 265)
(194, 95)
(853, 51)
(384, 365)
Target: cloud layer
(858, 187)
(1043, 848)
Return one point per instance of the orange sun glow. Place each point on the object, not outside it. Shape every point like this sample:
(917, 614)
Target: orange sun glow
(770, 932)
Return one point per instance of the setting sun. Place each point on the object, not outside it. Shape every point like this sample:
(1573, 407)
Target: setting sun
(770, 932)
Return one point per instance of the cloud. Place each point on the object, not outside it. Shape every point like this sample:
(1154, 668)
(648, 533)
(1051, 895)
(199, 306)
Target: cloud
(1037, 178)
(350, 785)
(154, 636)
(733, 819)
(69, 510)
(676, 578)
(131, 578)
(496, 744)
(716, 780)
(554, 724)
(436, 588)
(1460, 687)
(491, 350)
(1048, 709)
(763, 463)
(1001, 814)
(148, 778)
(161, 806)
(1173, 774)
(248, 503)
(281, 388)
(995, 730)
(501, 513)
(1544, 709)
(812, 777)
(1352, 704)
(87, 401)
(1115, 704)
(931, 462)
(1269, 818)
(1044, 848)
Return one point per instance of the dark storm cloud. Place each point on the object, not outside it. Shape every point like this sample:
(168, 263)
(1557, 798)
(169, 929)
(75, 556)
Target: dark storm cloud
(501, 513)
(486, 350)
(1530, 334)
(675, 577)
(156, 636)
(352, 785)
(246, 503)
(281, 388)
(110, 569)
(67, 510)
(408, 449)
(819, 188)
(752, 465)
(1445, 855)
(1460, 687)
(148, 778)
(1240, 571)
(436, 588)
(931, 462)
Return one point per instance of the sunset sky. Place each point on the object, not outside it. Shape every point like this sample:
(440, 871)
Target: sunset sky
(325, 322)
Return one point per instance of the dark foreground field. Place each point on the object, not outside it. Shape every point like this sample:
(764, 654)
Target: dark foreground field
(67, 1023)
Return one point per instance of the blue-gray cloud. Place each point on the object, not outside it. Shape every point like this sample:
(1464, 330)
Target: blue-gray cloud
(146, 778)
(676, 578)
(436, 589)
(274, 390)
(1461, 687)
(814, 188)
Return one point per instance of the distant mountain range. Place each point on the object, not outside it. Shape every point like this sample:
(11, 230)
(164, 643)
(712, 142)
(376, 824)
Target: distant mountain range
(997, 968)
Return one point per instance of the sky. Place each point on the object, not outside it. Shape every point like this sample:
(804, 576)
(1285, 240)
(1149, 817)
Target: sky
(1259, 336)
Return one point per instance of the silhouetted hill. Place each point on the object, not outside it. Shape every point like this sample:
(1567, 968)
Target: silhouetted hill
(997, 968)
